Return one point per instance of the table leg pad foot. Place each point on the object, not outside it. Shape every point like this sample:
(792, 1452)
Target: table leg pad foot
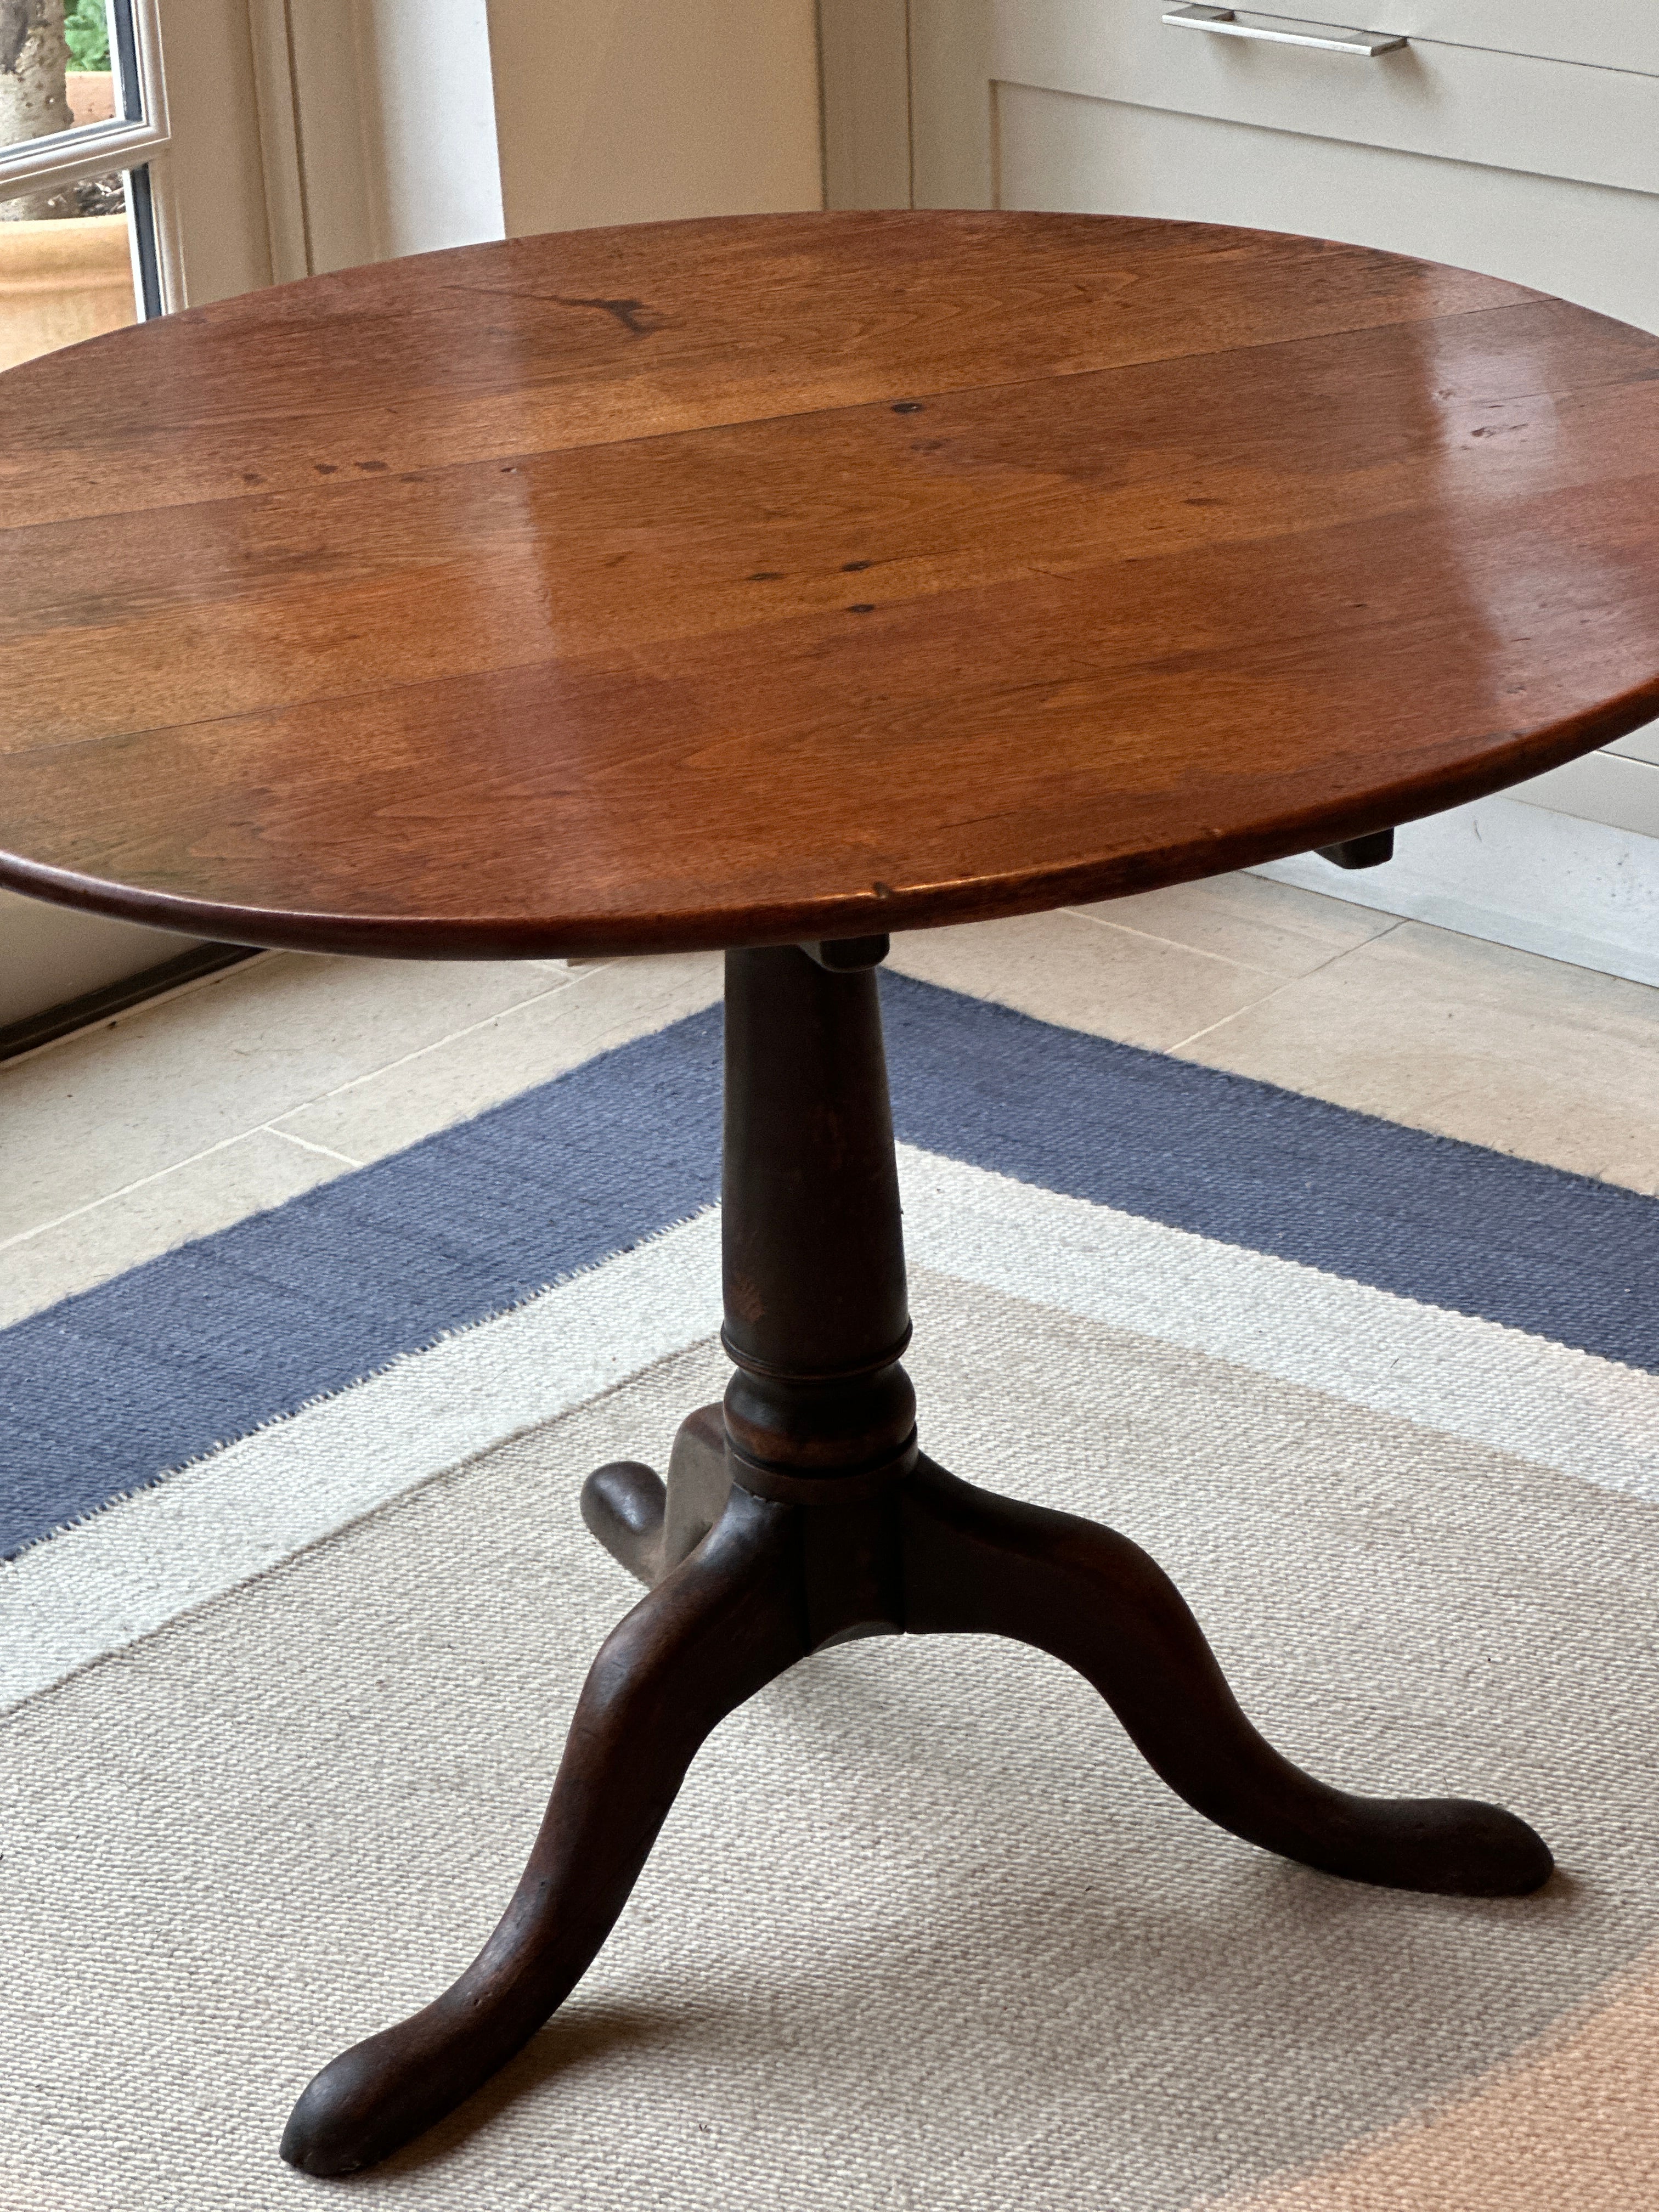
(623, 1505)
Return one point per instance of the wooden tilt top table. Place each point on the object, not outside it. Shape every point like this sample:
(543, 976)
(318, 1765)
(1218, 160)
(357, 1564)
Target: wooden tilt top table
(775, 585)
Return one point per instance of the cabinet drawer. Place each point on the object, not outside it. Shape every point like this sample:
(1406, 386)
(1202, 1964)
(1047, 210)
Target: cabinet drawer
(1542, 116)
(1616, 34)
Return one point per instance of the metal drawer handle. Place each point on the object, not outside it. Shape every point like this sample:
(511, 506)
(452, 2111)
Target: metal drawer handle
(1326, 36)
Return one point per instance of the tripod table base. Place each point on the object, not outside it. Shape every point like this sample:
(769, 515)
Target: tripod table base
(802, 1513)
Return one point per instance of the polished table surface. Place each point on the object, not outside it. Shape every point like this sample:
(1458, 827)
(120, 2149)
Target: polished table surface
(802, 577)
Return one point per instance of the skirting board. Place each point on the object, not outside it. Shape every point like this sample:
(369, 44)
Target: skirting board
(50, 955)
(194, 965)
(1514, 874)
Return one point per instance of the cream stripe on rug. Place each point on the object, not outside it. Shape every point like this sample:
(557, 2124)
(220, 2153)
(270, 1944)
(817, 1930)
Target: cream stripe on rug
(1566, 2128)
(144, 1561)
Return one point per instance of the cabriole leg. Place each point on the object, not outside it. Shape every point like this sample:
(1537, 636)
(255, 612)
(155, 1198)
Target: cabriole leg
(705, 1639)
(973, 1561)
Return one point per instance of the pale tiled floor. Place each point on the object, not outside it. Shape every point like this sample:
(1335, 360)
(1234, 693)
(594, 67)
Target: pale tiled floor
(191, 1112)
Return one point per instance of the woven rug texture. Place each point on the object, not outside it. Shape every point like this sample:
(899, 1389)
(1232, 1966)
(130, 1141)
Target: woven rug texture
(922, 1930)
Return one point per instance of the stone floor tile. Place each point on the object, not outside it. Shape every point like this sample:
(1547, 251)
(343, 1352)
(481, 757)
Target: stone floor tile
(1085, 975)
(600, 1006)
(104, 1239)
(1471, 1040)
(152, 1088)
(1246, 919)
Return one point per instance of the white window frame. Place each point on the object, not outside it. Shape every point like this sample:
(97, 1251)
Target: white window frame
(94, 149)
(63, 155)
(211, 173)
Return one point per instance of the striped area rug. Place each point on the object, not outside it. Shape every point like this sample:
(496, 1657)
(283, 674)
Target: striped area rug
(297, 1604)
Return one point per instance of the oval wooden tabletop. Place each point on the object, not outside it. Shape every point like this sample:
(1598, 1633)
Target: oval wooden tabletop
(802, 576)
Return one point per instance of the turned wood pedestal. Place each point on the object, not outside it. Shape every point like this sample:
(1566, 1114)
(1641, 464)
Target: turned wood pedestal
(804, 1512)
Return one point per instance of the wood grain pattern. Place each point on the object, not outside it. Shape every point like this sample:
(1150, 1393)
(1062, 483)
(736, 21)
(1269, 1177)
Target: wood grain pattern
(794, 577)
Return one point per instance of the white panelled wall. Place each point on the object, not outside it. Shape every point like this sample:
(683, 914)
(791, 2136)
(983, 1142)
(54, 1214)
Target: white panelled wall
(412, 125)
(311, 135)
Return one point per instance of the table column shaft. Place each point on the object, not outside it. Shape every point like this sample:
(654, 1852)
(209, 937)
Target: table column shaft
(815, 1313)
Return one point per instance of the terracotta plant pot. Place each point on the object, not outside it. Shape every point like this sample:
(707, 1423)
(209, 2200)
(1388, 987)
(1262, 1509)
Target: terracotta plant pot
(61, 282)
(91, 96)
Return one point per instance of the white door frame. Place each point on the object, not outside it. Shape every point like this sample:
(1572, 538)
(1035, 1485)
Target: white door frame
(882, 146)
(863, 54)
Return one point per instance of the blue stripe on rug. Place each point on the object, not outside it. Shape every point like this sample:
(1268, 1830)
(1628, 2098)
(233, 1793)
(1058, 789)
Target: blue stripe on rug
(107, 1391)
(1447, 1224)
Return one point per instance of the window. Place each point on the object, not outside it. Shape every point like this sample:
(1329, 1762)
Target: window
(132, 180)
(80, 95)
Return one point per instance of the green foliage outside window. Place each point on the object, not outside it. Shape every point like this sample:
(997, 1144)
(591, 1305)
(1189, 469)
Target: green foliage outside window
(85, 27)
